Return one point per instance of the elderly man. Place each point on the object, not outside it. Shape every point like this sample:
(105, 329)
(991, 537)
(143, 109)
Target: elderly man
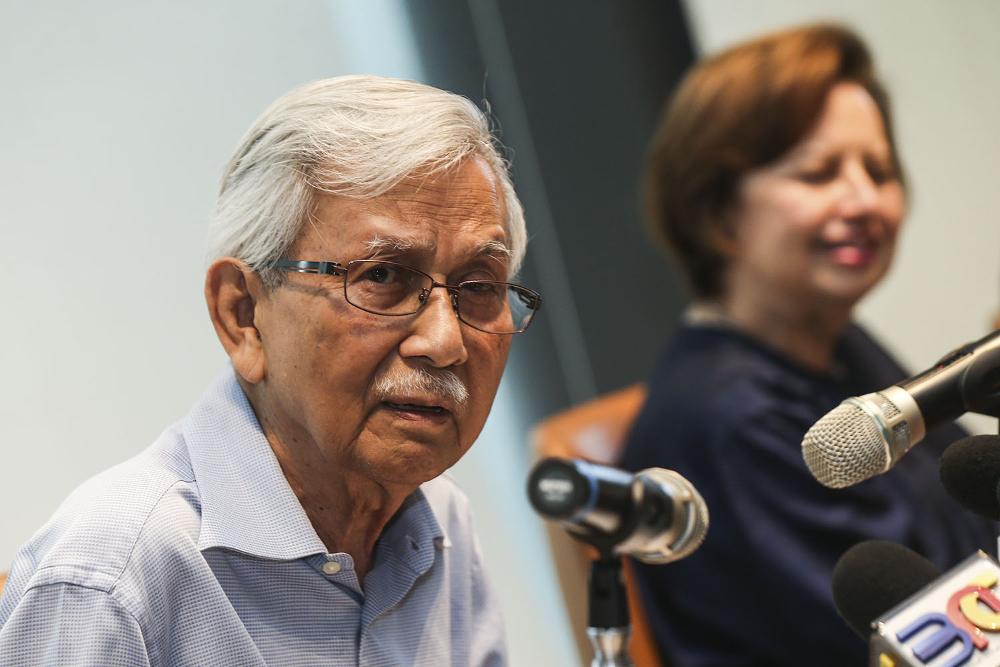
(359, 256)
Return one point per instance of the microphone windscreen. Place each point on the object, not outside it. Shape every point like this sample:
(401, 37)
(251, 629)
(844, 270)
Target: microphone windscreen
(873, 577)
(970, 471)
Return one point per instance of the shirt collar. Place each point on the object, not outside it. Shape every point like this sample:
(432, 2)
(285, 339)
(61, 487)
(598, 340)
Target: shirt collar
(246, 502)
(414, 533)
(248, 505)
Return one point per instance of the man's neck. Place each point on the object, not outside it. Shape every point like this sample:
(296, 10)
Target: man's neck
(348, 515)
(347, 509)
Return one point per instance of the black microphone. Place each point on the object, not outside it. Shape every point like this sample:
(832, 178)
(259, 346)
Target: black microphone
(970, 473)
(865, 435)
(874, 576)
(654, 515)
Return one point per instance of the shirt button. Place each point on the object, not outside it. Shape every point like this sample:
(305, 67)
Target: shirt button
(331, 567)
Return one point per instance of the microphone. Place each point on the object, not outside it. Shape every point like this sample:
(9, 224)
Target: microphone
(874, 576)
(655, 515)
(914, 615)
(865, 435)
(970, 473)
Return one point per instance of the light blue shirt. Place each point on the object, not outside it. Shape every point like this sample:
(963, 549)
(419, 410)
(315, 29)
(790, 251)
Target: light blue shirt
(197, 552)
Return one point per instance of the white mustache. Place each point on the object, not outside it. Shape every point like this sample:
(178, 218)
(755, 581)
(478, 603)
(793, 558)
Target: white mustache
(406, 381)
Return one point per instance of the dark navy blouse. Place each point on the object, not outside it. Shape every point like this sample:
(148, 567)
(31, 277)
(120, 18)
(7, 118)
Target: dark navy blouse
(729, 414)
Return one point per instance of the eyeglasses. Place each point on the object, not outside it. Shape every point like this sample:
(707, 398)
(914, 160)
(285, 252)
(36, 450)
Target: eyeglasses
(387, 288)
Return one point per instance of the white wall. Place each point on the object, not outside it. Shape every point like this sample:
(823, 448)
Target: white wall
(116, 119)
(941, 63)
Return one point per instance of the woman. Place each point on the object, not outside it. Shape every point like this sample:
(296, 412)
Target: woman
(775, 182)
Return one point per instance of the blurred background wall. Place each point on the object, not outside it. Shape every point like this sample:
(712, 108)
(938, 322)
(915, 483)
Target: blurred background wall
(116, 119)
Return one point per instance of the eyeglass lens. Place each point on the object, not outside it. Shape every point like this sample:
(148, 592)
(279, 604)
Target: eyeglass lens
(392, 289)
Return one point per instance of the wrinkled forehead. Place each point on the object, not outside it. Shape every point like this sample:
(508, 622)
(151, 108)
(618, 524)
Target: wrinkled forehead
(456, 212)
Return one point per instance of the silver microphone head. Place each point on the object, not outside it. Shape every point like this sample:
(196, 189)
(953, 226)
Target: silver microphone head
(862, 437)
(688, 526)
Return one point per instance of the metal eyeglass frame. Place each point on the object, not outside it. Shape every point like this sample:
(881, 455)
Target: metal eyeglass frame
(336, 269)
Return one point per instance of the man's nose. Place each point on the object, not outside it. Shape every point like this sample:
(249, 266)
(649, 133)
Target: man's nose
(436, 332)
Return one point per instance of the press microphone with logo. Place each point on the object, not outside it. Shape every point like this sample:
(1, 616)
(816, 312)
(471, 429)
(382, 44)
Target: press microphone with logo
(654, 515)
(911, 614)
(865, 435)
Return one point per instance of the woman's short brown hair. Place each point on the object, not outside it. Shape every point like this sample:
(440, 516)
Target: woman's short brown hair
(741, 109)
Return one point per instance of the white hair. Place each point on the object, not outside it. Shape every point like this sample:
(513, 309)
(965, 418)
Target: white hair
(356, 136)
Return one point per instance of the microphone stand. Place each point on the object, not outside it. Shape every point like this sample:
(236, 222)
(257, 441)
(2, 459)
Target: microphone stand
(609, 627)
(618, 513)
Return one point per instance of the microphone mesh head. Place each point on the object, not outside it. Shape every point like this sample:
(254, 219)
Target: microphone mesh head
(690, 517)
(845, 447)
(696, 514)
(699, 527)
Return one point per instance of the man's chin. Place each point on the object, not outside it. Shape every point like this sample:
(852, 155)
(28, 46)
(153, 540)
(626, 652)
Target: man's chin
(411, 464)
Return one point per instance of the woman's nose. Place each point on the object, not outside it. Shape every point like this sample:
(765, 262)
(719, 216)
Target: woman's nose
(860, 193)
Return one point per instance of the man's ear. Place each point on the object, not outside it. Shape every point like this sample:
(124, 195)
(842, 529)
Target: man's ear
(232, 290)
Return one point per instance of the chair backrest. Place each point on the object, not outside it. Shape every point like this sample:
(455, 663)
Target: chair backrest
(596, 431)
(3, 580)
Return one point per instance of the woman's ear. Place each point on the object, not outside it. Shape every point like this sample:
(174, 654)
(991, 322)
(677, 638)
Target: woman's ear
(232, 292)
(723, 230)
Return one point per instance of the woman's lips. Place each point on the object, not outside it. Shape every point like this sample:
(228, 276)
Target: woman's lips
(853, 255)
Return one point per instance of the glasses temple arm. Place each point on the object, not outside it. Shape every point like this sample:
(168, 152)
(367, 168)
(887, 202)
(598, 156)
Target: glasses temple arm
(297, 266)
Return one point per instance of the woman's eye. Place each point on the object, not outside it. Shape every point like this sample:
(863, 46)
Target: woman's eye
(880, 172)
(818, 175)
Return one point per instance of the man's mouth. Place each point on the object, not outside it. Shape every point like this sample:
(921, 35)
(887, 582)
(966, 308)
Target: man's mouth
(418, 408)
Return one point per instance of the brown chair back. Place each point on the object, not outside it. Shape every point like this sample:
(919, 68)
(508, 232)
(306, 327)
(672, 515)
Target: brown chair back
(596, 431)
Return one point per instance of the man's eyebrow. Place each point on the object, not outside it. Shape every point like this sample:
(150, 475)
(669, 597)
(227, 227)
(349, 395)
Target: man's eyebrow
(387, 244)
(382, 244)
(493, 248)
